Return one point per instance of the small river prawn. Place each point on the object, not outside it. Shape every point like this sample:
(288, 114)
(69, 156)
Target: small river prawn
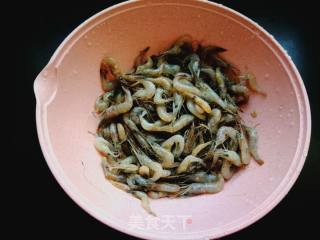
(115, 110)
(186, 163)
(104, 147)
(228, 155)
(147, 92)
(196, 110)
(201, 188)
(158, 126)
(174, 144)
(162, 82)
(224, 133)
(103, 102)
(253, 144)
(146, 161)
(158, 96)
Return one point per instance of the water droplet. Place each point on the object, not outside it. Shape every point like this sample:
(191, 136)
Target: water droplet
(277, 90)
(291, 93)
(86, 37)
(292, 124)
(221, 32)
(289, 115)
(75, 71)
(270, 109)
(199, 16)
(271, 179)
(291, 110)
(89, 44)
(280, 107)
(280, 116)
(279, 132)
(266, 75)
(45, 74)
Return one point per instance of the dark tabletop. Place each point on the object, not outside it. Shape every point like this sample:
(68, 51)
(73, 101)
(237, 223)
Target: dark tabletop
(49, 208)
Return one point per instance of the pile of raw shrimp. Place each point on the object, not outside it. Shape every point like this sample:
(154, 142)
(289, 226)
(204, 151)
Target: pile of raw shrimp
(171, 126)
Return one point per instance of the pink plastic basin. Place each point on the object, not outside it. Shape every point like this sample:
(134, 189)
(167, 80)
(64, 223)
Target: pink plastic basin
(68, 86)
